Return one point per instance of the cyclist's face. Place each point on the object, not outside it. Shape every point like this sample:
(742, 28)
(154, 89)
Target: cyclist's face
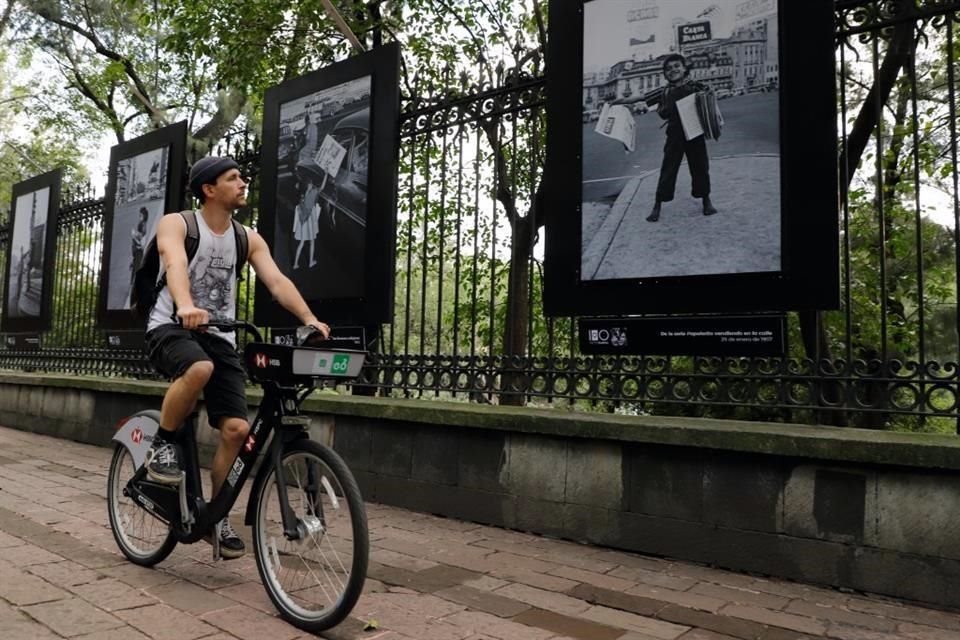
(231, 190)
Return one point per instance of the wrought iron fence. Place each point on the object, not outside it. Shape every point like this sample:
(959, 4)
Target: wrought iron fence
(468, 321)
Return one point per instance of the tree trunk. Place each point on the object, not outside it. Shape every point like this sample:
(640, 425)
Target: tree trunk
(815, 339)
(516, 327)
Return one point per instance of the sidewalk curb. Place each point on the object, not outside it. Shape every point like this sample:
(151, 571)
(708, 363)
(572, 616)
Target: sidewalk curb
(595, 253)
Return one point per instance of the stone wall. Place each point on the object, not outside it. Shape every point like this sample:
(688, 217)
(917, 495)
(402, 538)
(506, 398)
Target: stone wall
(865, 510)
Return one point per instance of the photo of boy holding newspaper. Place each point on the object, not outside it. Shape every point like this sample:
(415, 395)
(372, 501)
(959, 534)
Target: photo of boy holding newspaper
(685, 136)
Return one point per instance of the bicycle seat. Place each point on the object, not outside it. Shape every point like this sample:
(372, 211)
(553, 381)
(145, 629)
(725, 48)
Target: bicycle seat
(287, 364)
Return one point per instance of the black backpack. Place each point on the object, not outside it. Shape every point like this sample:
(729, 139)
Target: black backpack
(146, 287)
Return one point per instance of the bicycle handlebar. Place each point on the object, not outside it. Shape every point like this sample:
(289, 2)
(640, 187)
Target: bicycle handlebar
(305, 335)
(233, 326)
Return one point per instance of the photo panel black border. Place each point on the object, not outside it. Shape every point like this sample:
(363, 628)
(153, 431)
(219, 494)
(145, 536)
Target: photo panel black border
(809, 278)
(174, 137)
(52, 180)
(382, 64)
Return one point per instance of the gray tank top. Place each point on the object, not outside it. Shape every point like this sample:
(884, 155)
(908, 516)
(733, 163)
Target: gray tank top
(213, 280)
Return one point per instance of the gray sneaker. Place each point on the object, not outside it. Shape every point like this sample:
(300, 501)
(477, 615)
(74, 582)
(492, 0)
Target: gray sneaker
(162, 463)
(231, 546)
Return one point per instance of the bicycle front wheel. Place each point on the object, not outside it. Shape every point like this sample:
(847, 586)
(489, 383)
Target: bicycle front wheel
(142, 537)
(315, 581)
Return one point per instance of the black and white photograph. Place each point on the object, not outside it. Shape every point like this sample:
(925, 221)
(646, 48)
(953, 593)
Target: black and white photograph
(703, 176)
(144, 182)
(25, 286)
(681, 138)
(328, 184)
(321, 206)
(31, 253)
(138, 204)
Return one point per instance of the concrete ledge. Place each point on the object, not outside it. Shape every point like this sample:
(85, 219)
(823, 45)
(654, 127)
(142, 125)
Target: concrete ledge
(929, 451)
(850, 445)
(867, 510)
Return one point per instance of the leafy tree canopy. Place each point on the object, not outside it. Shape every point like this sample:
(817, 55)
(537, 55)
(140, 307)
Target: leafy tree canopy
(132, 65)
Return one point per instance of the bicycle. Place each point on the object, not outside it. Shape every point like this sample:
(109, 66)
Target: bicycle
(309, 524)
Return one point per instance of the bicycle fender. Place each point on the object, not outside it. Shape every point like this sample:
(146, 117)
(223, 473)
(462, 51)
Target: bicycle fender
(137, 434)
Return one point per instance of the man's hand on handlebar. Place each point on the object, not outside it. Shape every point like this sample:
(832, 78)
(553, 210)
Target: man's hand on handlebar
(192, 317)
(312, 332)
(322, 327)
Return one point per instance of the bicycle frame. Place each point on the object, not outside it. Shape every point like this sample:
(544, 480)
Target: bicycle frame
(327, 513)
(183, 506)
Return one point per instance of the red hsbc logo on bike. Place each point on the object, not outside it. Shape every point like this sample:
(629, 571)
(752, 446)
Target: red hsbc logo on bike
(261, 360)
(248, 445)
(137, 435)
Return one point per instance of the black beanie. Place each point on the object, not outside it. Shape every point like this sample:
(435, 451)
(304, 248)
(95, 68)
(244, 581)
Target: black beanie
(207, 170)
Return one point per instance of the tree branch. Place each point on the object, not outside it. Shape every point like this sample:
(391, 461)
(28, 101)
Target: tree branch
(541, 29)
(28, 96)
(496, 20)
(477, 42)
(5, 16)
(87, 91)
(504, 195)
(898, 54)
(140, 91)
(20, 152)
(221, 121)
(295, 49)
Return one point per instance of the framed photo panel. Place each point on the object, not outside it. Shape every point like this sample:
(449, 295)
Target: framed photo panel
(328, 188)
(31, 252)
(702, 176)
(145, 182)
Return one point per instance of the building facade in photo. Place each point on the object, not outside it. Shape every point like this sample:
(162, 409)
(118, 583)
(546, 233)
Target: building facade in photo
(747, 60)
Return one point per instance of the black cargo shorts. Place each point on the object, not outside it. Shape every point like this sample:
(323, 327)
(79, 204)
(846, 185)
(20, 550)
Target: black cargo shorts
(173, 349)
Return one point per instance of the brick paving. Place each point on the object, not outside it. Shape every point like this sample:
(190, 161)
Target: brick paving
(430, 578)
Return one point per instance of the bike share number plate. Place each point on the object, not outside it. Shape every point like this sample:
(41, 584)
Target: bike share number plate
(339, 364)
(137, 436)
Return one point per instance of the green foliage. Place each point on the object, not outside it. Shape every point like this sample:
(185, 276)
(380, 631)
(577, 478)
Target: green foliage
(76, 288)
(466, 40)
(27, 147)
(132, 66)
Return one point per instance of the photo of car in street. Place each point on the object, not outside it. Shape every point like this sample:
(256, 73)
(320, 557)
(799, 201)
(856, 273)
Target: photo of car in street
(321, 190)
(328, 207)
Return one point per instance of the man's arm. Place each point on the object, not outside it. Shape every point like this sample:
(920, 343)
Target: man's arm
(279, 285)
(171, 232)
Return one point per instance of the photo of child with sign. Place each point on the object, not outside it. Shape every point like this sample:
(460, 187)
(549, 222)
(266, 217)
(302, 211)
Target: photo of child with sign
(320, 219)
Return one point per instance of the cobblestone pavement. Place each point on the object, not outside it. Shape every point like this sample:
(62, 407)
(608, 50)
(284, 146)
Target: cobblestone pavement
(61, 576)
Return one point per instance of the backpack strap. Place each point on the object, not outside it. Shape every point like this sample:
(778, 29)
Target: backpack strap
(191, 243)
(243, 246)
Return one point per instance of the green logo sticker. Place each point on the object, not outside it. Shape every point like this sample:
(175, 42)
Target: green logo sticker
(340, 364)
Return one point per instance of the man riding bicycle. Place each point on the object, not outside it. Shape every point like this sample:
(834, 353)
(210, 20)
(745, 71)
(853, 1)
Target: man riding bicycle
(198, 291)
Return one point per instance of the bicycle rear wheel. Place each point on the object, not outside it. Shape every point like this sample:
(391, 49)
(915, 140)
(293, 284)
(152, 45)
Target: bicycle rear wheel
(314, 582)
(142, 537)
